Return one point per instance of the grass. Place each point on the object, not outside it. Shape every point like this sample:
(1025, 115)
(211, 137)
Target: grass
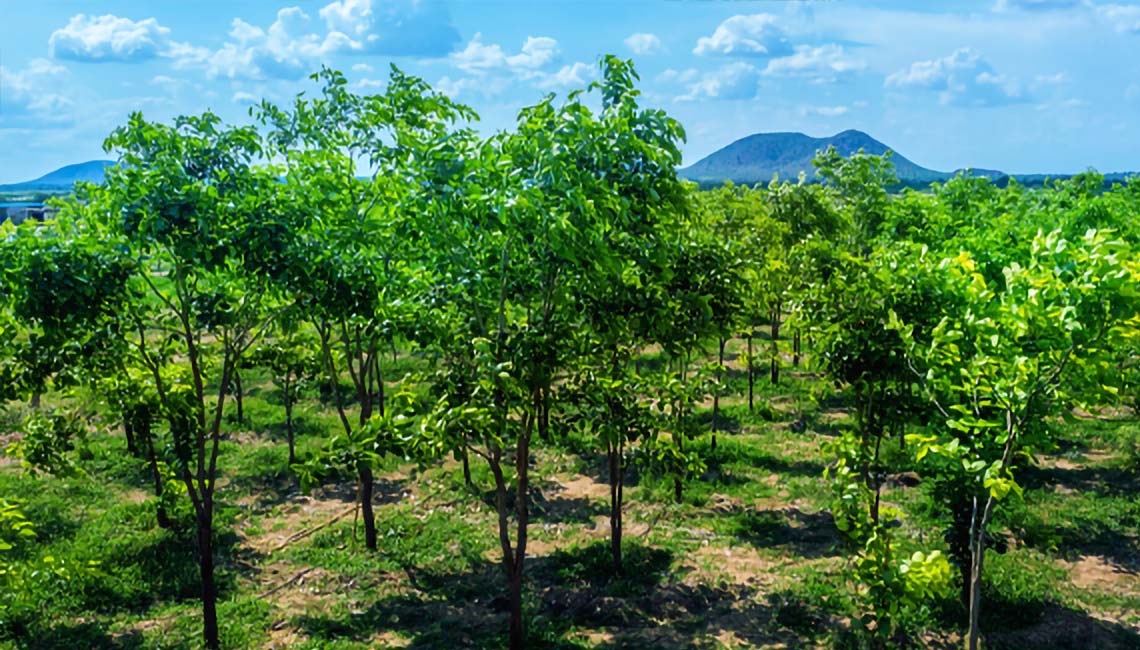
(749, 558)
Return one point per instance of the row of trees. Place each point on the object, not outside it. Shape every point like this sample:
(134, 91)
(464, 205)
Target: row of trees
(533, 267)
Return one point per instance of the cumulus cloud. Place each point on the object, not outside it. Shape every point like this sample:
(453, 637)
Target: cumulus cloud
(394, 27)
(479, 57)
(286, 49)
(754, 35)
(823, 111)
(738, 80)
(244, 98)
(822, 63)
(642, 43)
(108, 38)
(493, 68)
(962, 79)
(680, 76)
(294, 44)
(1123, 18)
(30, 96)
(575, 74)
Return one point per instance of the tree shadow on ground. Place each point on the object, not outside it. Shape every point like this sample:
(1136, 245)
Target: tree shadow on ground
(1051, 626)
(726, 423)
(1107, 481)
(808, 535)
(569, 592)
(87, 635)
(551, 508)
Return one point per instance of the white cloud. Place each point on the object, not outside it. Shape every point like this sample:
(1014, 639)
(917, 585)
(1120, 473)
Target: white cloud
(537, 52)
(362, 67)
(963, 79)
(393, 27)
(30, 97)
(286, 49)
(244, 98)
(825, 62)
(823, 111)
(738, 80)
(570, 75)
(493, 69)
(680, 76)
(644, 44)
(108, 38)
(479, 57)
(1124, 18)
(755, 35)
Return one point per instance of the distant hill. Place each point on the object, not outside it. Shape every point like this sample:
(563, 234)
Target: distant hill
(63, 178)
(756, 158)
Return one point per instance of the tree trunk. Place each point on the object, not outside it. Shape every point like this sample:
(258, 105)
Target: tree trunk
(238, 397)
(517, 633)
(160, 515)
(775, 370)
(206, 570)
(35, 401)
(751, 373)
(617, 480)
(129, 433)
(289, 430)
(466, 463)
(522, 514)
(365, 475)
(796, 349)
(716, 395)
(979, 522)
(678, 487)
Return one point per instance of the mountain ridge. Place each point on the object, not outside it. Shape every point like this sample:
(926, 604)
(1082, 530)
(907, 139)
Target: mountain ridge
(758, 157)
(63, 178)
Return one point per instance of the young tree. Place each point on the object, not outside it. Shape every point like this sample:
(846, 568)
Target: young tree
(204, 229)
(994, 368)
(360, 270)
(550, 209)
(292, 359)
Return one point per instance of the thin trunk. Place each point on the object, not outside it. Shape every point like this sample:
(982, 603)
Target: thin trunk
(144, 433)
(544, 414)
(775, 370)
(129, 433)
(678, 481)
(206, 570)
(522, 514)
(365, 476)
(238, 397)
(35, 401)
(517, 633)
(617, 480)
(979, 523)
(289, 430)
(716, 395)
(796, 348)
(466, 463)
(751, 373)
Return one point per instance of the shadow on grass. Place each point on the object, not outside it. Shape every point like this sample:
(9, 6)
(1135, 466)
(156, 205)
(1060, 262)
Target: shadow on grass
(568, 592)
(92, 636)
(552, 508)
(1051, 626)
(809, 535)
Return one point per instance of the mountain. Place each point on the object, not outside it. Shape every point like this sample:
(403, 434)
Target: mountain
(63, 178)
(756, 158)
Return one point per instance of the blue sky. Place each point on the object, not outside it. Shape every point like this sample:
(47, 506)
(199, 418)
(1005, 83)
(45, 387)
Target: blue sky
(1018, 85)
